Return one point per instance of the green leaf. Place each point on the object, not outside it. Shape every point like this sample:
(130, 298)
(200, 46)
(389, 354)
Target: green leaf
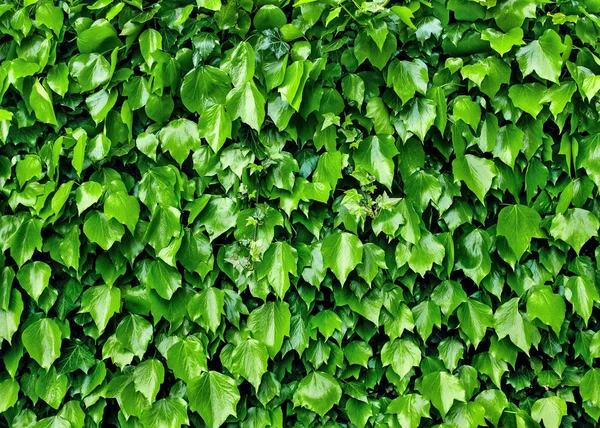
(342, 252)
(423, 188)
(134, 333)
(373, 259)
(575, 226)
(51, 16)
(42, 340)
(214, 396)
(410, 409)
(34, 277)
(148, 376)
(407, 78)
(442, 389)
(250, 361)
(215, 126)
(425, 253)
(589, 387)
(269, 324)
(528, 97)
(419, 116)
(548, 307)
(318, 392)
(187, 359)
(509, 142)
(582, 294)
(402, 354)
(508, 321)
(10, 318)
(239, 63)
(169, 412)
(467, 110)
(207, 306)
(542, 56)
(477, 173)
(475, 317)
(494, 402)
(503, 42)
(551, 410)
(277, 264)
(247, 103)
(102, 230)
(90, 71)
(179, 137)
(376, 155)
(125, 208)
(10, 394)
(87, 195)
(41, 102)
(203, 87)
(101, 302)
(522, 218)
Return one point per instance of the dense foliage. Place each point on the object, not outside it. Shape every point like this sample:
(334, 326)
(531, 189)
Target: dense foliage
(320, 213)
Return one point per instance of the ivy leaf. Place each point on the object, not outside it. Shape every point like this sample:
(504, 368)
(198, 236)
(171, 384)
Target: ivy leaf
(542, 56)
(147, 378)
(41, 102)
(589, 387)
(550, 308)
(407, 78)
(207, 306)
(169, 412)
(477, 173)
(279, 261)
(522, 218)
(318, 392)
(102, 230)
(187, 359)
(42, 340)
(503, 42)
(508, 321)
(342, 252)
(582, 294)
(215, 126)
(410, 409)
(376, 155)
(250, 360)
(203, 87)
(475, 317)
(247, 103)
(402, 354)
(10, 394)
(179, 137)
(419, 116)
(214, 396)
(125, 208)
(575, 226)
(34, 277)
(26, 240)
(442, 389)
(269, 324)
(134, 333)
(550, 409)
(425, 253)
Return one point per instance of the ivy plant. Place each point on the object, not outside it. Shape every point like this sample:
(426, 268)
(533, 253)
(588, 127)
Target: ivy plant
(308, 213)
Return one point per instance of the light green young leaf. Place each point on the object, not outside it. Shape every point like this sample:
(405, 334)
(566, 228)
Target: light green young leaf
(342, 252)
(519, 218)
(318, 392)
(42, 340)
(214, 396)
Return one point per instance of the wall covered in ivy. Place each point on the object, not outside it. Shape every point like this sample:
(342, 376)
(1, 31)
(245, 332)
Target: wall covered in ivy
(305, 213)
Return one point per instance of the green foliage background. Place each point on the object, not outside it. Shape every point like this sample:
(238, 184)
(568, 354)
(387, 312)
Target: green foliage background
(320, 213)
